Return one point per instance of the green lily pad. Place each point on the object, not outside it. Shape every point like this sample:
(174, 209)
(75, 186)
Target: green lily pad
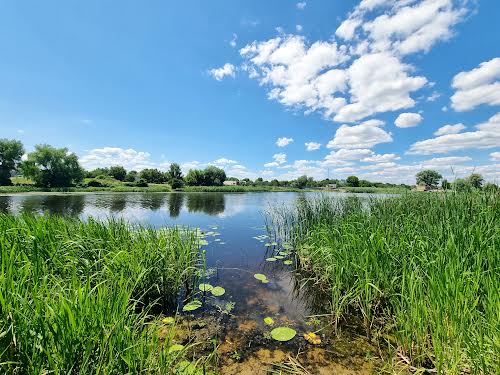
(203, 242)
(218, 291)
(265, 281)
(274, 244)
(205, 287)
(260, 277)
(271, 259)
(267, 244)
(191, 306)
(279, 257)
(283, 334)
(176, 348)
(284, 253)
(288, 262)
(269, 321)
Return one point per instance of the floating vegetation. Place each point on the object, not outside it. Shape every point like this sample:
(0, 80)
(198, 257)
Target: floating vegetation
(280, 257)
(261, 277)
(168, 320)
(287, 246)
(287, 262)
(218, 291)
(274, 244)
(193, 305)
(283, 334)
(228, 307)
(312, 338)
(271, 259)
(267, 244)
(202, 242)
(268, 320)
(283, 253)
(205, 287)
(176, 348)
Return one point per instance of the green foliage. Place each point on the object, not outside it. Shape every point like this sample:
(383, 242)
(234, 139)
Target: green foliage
(153, 176)
(352, 181)
(52, 167)
(76, 297)
(210, 176)
(11, 152)
(462, 185)
(476, 180)
(118, 172)
(428, 177)
(132, 176)
(445, 184)
(421, 269)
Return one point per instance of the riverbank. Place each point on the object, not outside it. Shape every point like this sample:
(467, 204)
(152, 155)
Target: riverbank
(78, 295)
(420, 270)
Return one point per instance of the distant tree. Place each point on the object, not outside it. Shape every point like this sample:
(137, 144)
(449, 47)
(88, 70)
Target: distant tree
(275, 182)
(246, 182)
(194, 177)
(476, 180)
(175, 172)
(213, 176)
(428, 177)
(153, 176)
(301, 182)
(490, 187)
(352, 181)
(97, 172)
(131, 176)
(11, 152)
(445, 184)
(118, 172)
(52, 167)
(462, 185)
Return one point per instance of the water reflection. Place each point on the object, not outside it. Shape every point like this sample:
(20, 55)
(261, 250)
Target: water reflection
(175, 203)
(209, 203)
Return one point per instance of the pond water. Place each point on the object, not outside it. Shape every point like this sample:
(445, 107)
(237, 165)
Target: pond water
(234, 254)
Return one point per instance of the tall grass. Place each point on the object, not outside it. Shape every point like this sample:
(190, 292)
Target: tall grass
(76, 297)
(423, 270)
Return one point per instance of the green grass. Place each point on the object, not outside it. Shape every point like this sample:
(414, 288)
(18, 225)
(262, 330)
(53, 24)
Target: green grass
(374, 190)
(422, 270)
(238, 189)
(119, 188)
(77, 297)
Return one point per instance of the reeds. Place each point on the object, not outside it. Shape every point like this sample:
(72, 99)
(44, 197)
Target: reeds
(76, 297)
(423, 270)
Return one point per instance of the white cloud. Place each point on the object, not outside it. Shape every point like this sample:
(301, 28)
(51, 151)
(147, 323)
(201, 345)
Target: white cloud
(301, 5)
(298, 28)
(351, 154)
(477, 86)
(380, 158)
(433, 97)
(233, 40)
(445, 161)
(228, 70)
(365, 135)
(130, 159)
(486, 136)
(312, 146)
(283, 141)
(271, 164)
(224, 161)
(280, 158)
(450, 129)
(495, 156)
(408, 120)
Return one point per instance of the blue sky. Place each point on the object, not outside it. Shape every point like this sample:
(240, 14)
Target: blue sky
(376, 88)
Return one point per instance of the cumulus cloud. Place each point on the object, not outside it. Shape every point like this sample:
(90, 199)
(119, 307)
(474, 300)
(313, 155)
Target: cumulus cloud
(450, 129)
(224, 161)
(486, 136)
(128, 158)
(477, 86)
(228, 70)
(280, 158)
(495, 156)
(380, 158)
(233, 40)
(365, 135)
(408, 120)
(301, 5)
(312, 146)
(298, 28)
(283, 141)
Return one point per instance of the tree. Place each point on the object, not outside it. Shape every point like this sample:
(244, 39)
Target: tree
(476, 180)
(428, 177)
(11, 152)
(118, 172)
(462, 185)
(352, 181)
(174, 172)
(445, 184)
(52, 167)
(194, 177)
(301, 182)
(132, 176)
(153, 176)
(213, 176)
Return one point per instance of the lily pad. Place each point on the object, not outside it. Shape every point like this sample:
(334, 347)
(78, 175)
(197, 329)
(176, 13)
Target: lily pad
(283, 334)
(271, 259)
(203, 242)
(274, 244)
(267, 244)
(260, 277)
(265, 281)
(284, 253)
(191, 306)
(218, 291)
(205, 287)
(176, 348)
(287, 262)
(168, 320)
(279, 257)
(269, 321)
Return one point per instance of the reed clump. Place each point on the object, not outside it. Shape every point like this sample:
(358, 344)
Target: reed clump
(76, 297)
(423, 270)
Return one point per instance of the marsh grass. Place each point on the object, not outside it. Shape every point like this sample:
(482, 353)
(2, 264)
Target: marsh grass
(423, 271)
(76, 297)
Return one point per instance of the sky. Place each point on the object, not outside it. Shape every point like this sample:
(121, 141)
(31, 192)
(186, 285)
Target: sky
(380, 89)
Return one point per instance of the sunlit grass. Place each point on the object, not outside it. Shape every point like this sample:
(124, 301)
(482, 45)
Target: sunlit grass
(423, 270)
(76, 297)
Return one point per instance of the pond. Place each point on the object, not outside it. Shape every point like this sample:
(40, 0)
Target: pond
(234, 255)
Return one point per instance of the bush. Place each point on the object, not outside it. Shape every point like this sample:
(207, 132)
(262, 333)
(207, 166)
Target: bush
(96, 183)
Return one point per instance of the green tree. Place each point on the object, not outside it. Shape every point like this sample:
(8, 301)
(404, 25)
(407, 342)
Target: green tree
(52, 167)
(194, 177)
(153, 176)
(445, 184)
(490, 187)
(352, 181)
(476, 180)
(132, 176)
(11, 152)
(118, 172)
(301, 182)
(462, 185)
(428, 177)
(213, 176)
(174, 172)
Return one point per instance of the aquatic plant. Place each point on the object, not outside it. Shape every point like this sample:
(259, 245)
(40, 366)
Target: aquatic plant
(261, 277)
(218, 291)
(191, 306)
(283, 333)
(421, 270)
(269, 321)
(205, 287)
